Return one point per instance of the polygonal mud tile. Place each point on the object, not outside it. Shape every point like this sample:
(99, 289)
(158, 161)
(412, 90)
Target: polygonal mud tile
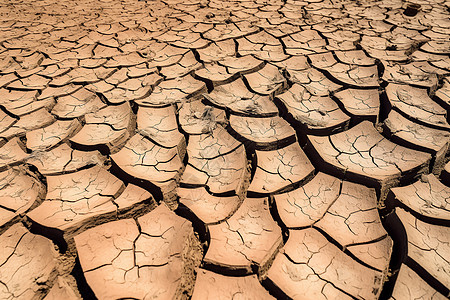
(427, 197)
(319, 114)
(195, 117)
(74, 199)
(151, 257)
(238, 99)
(428, 246)
(409, 285)
(420, 137)
(363, 104)
(310, 266)
(266, 133)
(106, 130)
(49, 136)
(249, 238)
(280, 169)
(208, 208)
(28, 264)
(217, 161)
(64, 159)
(213, 286)
(173, 91)
(19, 191)
(160, 125)
(363, 154)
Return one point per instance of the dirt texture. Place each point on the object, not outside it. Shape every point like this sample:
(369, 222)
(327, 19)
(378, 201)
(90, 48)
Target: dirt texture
(238, 149)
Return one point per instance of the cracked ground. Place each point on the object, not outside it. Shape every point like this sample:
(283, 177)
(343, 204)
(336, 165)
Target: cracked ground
(238, 149)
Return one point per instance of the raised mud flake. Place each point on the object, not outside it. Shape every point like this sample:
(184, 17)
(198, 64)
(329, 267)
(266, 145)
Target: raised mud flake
(125, 60)
(409, 285)
(61, 289)
(267, 133)
(6, 121)
(418, 136)
(28, 264)
(377, 47)
(217, 51)
(109, 127)
(428, 197)
(428, 246)
(162, 54)
(345, 211)
(91, 63)
(222, 32)
(6, 79)
(73, 199)
(262, 51)
(314, 81)
(32, 82)
(216, 161)
(58, 91)
(355, 57)
(197, 118)
(250, 237)
(64, 159)
(187, 64)
(280, 169)
(262, 37)
(293, 63)
(322, 60)
(310, 266)
(443, 93)
(239, 100)
(350, 74)
(208, 208)
(20, 102)
(105, 50)
(12, 153)
(342, 39)
(215, 73)
(316, 113)
(365, 155)
(142, 159)
(140, 70)
(132, 89)
(361, 76)
(19, 191)
(353, 221)
(154, 260)
(173, 91)
(438, 47)
(243, 64)
(363, 104)
(213, 286)
(210, 145)
(160, 125)
(304, 42)
(82, 75)
(133, 199)
(77, 104)
(411, 73)
(189, 39)
(307, 204)
(267, 81)
(34, 120)
(47, 137)
(416, 103)
(435, 60)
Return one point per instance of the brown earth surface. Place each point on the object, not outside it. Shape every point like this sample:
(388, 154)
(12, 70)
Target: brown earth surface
(208, 149)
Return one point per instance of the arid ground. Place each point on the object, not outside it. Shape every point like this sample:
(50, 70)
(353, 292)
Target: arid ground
(215, 149)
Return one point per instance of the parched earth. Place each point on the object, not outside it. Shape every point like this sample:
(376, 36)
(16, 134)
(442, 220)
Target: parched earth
(211, 149)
